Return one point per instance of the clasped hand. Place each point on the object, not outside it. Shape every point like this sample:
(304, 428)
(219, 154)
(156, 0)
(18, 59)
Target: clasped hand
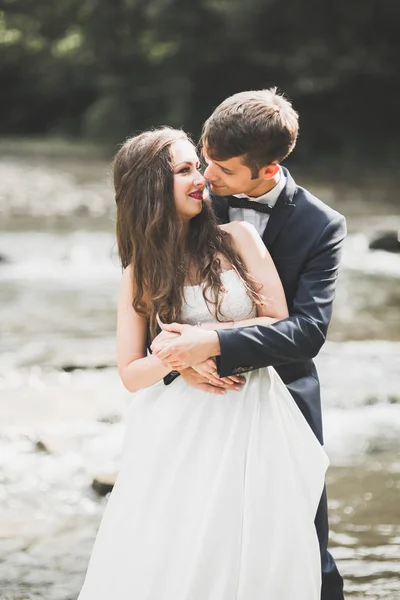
(180, 346)
(190, 351)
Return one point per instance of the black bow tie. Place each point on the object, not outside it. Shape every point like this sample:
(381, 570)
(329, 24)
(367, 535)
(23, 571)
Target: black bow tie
(253, 204)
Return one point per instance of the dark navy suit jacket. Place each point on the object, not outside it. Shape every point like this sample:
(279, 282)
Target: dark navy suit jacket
(304, 237)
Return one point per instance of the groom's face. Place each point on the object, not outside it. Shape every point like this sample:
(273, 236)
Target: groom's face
(227, 177)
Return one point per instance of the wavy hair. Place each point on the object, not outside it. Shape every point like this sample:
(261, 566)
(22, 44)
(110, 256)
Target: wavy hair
(149, 233)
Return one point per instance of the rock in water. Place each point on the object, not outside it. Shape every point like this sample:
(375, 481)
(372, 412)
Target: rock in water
(103, 484)
(111, 419)
(42, 446)
(389, 241)
(70, 367)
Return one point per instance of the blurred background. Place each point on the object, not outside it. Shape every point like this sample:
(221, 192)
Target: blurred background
(78, 77)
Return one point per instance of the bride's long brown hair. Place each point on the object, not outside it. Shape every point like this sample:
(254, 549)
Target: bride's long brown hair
(149, 232)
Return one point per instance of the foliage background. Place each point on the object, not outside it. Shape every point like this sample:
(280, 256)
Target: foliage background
(103, 69)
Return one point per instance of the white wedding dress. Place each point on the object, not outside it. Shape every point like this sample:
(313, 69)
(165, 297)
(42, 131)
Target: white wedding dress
(217, 494)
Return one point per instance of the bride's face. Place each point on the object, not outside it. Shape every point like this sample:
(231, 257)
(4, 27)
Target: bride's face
(188, 181)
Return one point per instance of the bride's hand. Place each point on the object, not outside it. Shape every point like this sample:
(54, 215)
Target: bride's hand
(200, 382)
(208, 369)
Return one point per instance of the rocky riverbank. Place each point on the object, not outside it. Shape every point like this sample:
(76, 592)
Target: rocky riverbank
(62, 406)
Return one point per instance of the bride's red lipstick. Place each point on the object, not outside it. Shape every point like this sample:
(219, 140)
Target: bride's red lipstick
(197, 195)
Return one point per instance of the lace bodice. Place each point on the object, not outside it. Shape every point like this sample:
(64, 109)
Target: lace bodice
(235, 306)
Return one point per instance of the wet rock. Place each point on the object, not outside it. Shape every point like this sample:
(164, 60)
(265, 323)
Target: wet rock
(51, 445)
(103, 484)
(389, 241)
(111, 419)
(71, 368)
(394, 399)
(371, 400)
(42, 446)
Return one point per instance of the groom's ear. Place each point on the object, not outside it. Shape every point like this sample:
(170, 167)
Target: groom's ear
(269, 171)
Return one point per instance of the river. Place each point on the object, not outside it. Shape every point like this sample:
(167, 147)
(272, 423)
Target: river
(62, 425)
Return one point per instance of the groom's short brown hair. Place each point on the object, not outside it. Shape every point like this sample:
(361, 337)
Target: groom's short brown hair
(259, 125)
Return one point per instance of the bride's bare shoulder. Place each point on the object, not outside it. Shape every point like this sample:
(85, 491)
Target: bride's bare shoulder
(240, 229)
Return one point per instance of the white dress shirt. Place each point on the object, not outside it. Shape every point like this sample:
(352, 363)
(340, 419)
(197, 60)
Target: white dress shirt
(259, 220)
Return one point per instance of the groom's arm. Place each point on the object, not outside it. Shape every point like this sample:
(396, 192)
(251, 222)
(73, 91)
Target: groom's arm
(300, 336)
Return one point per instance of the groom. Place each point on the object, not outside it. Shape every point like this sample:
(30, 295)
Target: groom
(244, 142)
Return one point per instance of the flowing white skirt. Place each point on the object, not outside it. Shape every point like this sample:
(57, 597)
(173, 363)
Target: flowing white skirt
(215, 499)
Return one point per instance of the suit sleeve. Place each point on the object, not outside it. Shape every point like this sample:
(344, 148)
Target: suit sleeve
(300, 336)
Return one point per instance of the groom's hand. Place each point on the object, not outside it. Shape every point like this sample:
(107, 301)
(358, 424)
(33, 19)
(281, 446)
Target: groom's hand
(163, 337)
(193, 346)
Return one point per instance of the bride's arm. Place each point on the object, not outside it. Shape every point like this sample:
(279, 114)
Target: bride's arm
(136, 369)
(260, 266)
(194, 346)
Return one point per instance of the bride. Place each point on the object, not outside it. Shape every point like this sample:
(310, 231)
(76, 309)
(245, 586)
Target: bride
(217, 493)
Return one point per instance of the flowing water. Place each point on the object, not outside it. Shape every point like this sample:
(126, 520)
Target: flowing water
(62, 405)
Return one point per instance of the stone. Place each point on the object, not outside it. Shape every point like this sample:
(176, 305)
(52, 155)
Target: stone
(103, 484)
(389, 241)
(109, 419)
(42, 446)
(70, 368)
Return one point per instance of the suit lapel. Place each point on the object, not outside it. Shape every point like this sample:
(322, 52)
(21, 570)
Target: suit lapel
(221, 208)
(282, 210)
